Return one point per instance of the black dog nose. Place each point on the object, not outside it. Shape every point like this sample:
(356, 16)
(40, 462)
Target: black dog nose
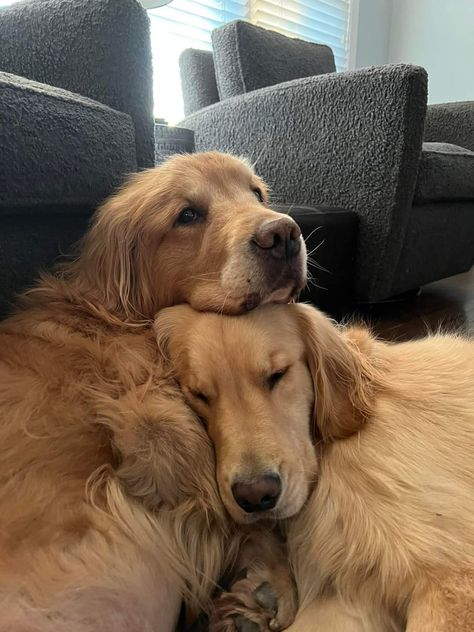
(279, 237)
(260, 494)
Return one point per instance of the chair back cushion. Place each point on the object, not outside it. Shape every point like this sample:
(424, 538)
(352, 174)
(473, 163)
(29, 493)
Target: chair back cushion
(248, 57)
(198, 79)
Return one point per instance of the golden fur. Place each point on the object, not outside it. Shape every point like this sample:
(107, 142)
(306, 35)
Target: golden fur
(109, 512)
(382, 534)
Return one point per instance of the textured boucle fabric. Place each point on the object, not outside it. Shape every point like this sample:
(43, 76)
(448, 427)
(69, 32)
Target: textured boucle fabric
(451, 123)
(446, 172)
(198, 79)
(59, 147)
(349, 140)
(439, 242)
(97, 48)
(248, 57)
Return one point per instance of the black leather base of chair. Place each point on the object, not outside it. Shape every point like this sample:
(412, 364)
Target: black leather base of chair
(330, 235)
(31, 243)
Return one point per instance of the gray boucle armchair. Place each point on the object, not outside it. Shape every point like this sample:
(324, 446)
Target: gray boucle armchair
(76, 116)
(99, 49)
(349, 139)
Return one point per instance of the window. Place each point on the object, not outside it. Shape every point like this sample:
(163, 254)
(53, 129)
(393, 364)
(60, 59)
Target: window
(189, 23)
(323, 21)
(174, 27)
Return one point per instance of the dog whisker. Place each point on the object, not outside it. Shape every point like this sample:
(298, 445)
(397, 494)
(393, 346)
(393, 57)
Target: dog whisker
(311, 252)
(312, 282)
(221, 311)
(254, 163)
(290, 208)
(312, 233)
(204, 275)
(314, 264)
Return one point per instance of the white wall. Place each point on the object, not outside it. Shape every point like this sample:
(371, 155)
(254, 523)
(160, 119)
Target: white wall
(373, 34)
(439, 35)
(435, 34)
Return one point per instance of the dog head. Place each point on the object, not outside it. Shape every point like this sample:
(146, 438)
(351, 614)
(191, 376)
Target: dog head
(195, 230)
(267, 385)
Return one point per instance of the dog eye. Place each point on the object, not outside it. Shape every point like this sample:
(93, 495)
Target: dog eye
(258, 194)
(188, 215)
(276, 377)
(200, 395)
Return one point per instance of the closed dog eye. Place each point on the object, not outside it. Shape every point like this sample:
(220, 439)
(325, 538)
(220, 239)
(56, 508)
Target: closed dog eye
(276, 377)
(201, 397)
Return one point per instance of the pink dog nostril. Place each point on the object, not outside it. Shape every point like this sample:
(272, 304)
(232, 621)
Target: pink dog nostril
(260, 494)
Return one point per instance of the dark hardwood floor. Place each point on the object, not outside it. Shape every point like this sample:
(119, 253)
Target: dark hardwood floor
(446, 304)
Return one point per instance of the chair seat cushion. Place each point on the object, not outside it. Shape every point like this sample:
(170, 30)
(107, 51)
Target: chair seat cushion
(446, 172)
(59, 148)
(248, 57)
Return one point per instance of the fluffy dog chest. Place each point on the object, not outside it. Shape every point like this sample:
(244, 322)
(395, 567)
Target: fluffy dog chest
(393, 508)
(346, 543)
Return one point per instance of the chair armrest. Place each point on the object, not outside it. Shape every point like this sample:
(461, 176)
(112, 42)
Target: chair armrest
(59, 149)
(451, 123)
(97, 48)
(350, 140)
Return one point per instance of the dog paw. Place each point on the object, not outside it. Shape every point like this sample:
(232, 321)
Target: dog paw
(262, 601)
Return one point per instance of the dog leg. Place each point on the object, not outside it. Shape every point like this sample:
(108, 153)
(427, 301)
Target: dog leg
(327, 615)
(447, 606)
(262, 594)
(156, 437)
(165, 462)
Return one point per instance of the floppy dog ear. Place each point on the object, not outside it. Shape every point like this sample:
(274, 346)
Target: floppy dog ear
(343, 376)
(112, 256)
(170, 327)
(116, 258)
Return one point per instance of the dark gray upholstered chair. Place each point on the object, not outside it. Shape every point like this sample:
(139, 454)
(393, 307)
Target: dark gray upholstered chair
(76, 116)
(352, 140)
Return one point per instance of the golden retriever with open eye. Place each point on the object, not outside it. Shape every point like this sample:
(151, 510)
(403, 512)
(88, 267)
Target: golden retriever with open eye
(365, 447)
(109, 511)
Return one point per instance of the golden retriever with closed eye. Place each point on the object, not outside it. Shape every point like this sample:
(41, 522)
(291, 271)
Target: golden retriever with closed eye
(366, 449)
(109, 512)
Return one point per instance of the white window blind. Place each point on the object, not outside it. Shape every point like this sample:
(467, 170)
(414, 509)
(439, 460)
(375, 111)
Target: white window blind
(322, 21)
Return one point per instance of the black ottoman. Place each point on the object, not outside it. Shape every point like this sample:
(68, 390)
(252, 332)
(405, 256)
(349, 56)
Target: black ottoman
(330, 235)
(171, 140)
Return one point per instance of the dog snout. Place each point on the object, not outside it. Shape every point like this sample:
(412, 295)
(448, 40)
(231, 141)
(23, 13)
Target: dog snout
(279, 237)
(258, 494)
